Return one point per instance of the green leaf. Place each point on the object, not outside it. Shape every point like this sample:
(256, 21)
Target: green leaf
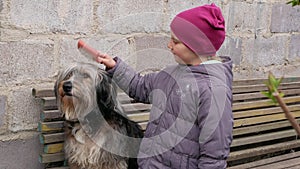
(267, 93)
(281, 95)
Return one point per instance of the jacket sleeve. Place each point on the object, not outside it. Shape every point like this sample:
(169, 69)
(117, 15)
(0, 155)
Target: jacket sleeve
(136, 86)
(215, 122)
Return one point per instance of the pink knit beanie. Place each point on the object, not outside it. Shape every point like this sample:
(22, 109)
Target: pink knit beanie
(202, 29)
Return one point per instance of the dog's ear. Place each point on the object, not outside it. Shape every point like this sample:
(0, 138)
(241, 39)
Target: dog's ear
(55, 89)
(104, 90)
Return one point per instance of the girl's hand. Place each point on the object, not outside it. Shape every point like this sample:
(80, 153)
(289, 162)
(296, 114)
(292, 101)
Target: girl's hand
(105, 59)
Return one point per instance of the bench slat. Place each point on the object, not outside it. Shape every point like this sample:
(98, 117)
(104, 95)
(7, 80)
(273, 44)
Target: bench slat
(268, 161)
(49, 103)
(136, 107)
(53, 148)
(265, 111)
(262, 87)
(48, 115)
(263, 119)
(262, 127)
(38, 93)
(263, 138)
(259, 95)
(253, 81)
(262, 103)
(283, 164)
(52, 138)
(139, 117)
(253, 152)
(48, 158)
(50, 126)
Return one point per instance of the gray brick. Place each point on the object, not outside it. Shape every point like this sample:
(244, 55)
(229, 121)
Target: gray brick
(26, 60)
(294, 54)
(52, 16)
(232, 47)
(1, 6)
(128, 16)
(20, 154)
(262, 52)
(285, 18)
(247, 18)
(13, 35)
(3, 101)
(24, 110)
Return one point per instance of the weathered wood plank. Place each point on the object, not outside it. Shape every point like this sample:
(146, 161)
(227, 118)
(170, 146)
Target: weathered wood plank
(262, 127)
(253, 152)
(239, 82)
(136, 107)
(49, 103)
(263, 138)
(139, 117)
(52, 138)
(53, 148)
(259, 95)
(262, 87)
(48, 115)
(267, 161)
(50, 126)
(263, 119)
(48, 158)
(39, 92)
(282, 164)
(262, 103)
(264, 111)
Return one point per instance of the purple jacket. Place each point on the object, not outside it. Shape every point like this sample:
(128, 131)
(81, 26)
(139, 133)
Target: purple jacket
(191, 118)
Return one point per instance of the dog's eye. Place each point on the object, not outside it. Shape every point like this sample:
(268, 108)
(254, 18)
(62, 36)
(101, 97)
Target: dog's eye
(68, 76)
(86, 75)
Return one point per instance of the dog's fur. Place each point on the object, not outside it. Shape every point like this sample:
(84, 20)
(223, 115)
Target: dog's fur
(96, 127)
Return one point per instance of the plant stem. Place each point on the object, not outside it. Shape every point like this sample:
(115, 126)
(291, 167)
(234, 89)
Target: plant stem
(288, 114)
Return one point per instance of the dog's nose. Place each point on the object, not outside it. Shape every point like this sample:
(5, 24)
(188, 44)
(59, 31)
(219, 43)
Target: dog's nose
(67, 86)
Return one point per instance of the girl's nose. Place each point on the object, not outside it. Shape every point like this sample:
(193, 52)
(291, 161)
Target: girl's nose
(170, 45)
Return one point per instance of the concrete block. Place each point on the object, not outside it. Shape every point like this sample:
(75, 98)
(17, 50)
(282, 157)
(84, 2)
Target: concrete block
(20, 154)
(285, 18)
(24, 61)
(152, 52)
(232, 47)
(262, 52)
(3, 101)
(129, 16)
(245, 17)
(52, 16)
(1, 6)
(294, 53)
(24, 110)
(13, 35)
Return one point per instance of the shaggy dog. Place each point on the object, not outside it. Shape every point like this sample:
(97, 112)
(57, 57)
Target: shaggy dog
(98, 134)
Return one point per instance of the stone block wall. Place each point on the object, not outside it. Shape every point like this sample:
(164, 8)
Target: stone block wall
(39, 38)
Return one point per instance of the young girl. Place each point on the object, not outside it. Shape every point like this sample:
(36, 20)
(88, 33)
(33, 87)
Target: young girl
(191, 119)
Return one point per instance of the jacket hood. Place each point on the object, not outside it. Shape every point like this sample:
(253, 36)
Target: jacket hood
(223, 73)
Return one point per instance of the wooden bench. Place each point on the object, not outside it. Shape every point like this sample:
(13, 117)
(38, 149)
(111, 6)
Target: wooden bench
(263, 138)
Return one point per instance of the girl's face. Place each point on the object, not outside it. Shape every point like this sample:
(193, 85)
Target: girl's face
(182, 54)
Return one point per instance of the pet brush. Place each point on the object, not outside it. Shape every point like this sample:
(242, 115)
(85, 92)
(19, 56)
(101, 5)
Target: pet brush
(87, 51)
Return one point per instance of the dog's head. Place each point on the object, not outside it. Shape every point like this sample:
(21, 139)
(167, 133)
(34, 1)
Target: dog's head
(81, 88)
